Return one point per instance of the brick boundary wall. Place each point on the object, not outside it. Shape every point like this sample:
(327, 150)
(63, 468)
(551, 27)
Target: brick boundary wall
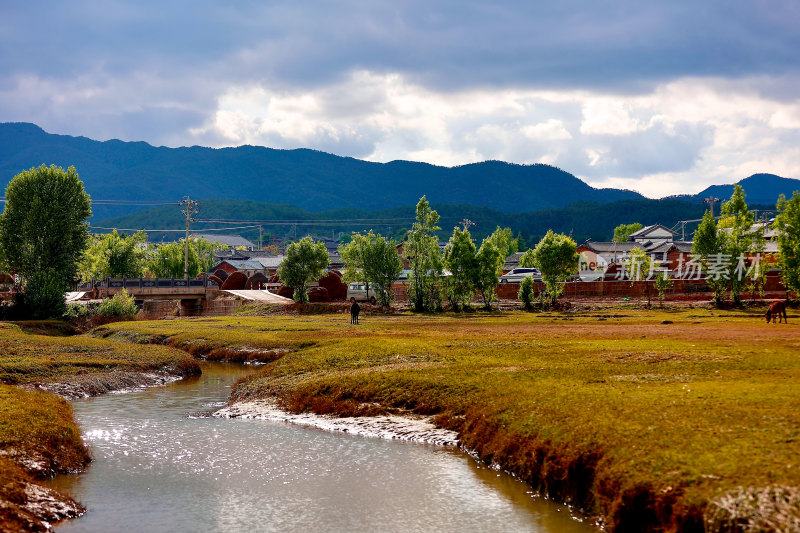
(682, 289)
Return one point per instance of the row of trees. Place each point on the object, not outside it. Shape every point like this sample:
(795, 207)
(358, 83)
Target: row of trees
(458, 272)
(119, 255)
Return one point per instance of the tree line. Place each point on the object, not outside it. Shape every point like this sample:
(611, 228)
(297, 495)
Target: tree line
(44, 239)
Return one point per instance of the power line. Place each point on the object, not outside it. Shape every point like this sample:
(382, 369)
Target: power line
(304, 221)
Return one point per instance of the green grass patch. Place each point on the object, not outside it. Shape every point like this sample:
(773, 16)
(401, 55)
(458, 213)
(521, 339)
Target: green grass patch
(30, 357)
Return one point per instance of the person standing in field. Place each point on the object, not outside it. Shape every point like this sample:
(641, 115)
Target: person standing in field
(355, 309)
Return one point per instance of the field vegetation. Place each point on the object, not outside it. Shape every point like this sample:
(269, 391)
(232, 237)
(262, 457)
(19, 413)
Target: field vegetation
(38, 435)
(660, 420)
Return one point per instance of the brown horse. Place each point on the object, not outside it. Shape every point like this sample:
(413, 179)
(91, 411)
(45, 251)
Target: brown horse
(776, 310)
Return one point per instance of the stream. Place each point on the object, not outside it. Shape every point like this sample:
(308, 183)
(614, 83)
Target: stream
(161, 466)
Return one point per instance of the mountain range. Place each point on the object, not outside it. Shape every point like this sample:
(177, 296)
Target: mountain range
(309, 179)
(308, 186)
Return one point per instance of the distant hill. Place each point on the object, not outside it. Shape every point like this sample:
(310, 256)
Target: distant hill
(309, 179)
(762, 189)
(582, 220)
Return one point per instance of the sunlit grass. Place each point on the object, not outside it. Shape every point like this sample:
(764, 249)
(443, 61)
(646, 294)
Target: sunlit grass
(26, 358)
(643, 416)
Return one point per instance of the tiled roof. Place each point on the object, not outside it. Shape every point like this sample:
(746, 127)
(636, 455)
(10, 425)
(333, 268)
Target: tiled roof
(244, 264)
(232, 241)
(648, 229)
(606, 247)
(272, 261)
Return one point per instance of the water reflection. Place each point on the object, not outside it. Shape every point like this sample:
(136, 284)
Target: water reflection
(157, 469)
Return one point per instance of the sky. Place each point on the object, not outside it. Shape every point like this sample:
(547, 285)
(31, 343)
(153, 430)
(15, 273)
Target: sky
(662, 97)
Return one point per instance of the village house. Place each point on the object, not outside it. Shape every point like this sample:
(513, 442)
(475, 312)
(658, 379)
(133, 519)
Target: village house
(657, 241)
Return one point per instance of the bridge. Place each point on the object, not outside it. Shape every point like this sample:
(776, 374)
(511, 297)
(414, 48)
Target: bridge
(153, 288)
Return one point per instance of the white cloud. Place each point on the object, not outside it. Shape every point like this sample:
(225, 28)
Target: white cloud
(607, 116)
(551, 130)
(680, 138)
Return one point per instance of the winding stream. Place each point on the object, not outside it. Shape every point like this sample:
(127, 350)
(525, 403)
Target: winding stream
(156, 469)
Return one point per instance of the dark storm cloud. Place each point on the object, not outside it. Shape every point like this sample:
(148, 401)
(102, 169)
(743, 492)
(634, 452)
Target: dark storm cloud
(448, 82)
(619, 44)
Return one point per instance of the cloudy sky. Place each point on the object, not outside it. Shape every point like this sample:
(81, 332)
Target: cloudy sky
(662, 97)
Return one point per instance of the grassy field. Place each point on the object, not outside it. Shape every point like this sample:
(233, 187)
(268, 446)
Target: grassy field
(38, 435)
(647, 419)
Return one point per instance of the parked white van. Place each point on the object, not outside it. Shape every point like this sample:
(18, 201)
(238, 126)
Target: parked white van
(358, 290)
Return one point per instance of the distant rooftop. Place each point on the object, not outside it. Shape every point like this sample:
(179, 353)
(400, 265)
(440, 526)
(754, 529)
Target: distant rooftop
(232, 241)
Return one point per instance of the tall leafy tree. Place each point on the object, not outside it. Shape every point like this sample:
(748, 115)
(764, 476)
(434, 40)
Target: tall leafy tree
(527, 259)
(167, 260)
(787, 224)
(205, 252)
(372, 259)
(488, 267)
(623, 231)
(114, 255)
(742, 238)
(383, 267)
(43, 233)
(460, 261)
(503, 239)
(556, 257)
(421, 249)
(305, 263)
(707, 250)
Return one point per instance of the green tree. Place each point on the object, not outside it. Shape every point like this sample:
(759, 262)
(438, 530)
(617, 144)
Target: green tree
(421, 249)
(707, 246)
(787, 226)
(742, 238)
(372, 259)
(503, 239)
(527, 259)
(114, 255)
(205, 252)
(556, 257)
(459, 259)
(43, 231)
(526, 293)
(623, 231)
(663, 283)
(488, 267)
(640, 267)
(167, 260)
(305, 263)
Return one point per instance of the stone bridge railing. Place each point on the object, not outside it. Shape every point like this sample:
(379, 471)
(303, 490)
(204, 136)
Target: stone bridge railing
(147, 283)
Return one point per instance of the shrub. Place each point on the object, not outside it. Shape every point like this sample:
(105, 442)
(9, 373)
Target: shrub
(663, 283)
(76, 310)
(43, 296)
(526, 293)
(121, 304)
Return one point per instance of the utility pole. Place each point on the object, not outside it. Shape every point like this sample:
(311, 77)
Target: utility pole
(710, 201)
(260, 246)
(191, 209)
(467, 223)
